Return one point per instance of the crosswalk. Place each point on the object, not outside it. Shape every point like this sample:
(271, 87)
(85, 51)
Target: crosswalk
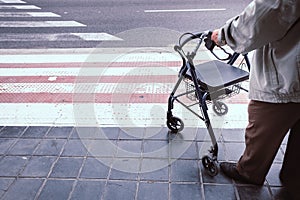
(103, 88)
(126, 86)
(23, 15)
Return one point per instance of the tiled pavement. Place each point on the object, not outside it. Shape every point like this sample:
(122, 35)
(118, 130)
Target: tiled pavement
(54, 163)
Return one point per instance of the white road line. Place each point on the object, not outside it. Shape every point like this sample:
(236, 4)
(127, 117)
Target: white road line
(185, 10)
(12, 1)
(93, 57)
(140, 88)
(28, 14)
(119, 115)
(116, 71)
(58, 37)
(40, 24)
(96, 36)
(21, 7)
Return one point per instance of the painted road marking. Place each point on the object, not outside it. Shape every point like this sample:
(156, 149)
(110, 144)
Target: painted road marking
(21, 7)
(132, 57)
(28, 14)
(138, 115)
(121, 71)
(185, 10)
(12, 37)
(9, 24)
(12, 1)
(57, 93)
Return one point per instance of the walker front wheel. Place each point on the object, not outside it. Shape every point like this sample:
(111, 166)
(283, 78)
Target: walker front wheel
(210, 165)
(175, 124)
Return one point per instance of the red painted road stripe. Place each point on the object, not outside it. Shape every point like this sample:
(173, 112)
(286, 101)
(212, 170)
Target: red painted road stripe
(94, 65)
(98, 98)
(82, 98)
(90, 79)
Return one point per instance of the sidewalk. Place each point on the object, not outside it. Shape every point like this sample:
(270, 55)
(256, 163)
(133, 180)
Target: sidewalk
(42, 162)
(121, 94)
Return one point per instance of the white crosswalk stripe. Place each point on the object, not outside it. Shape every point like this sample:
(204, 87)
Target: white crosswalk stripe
(40, 24)
(12, 1)
(58, 37)
(28, 14)
(11, 10)
(19, 7)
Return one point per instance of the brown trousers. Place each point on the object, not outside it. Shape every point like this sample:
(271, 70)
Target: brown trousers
(268, 125)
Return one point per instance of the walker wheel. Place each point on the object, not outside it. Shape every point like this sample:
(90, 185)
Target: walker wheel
(220, 108)
(175, 124)
(210, 165)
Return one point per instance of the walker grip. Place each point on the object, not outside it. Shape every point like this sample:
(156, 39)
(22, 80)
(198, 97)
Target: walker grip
(209, 44)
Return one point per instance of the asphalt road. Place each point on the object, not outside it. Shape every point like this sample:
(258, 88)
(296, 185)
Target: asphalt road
(129, 20)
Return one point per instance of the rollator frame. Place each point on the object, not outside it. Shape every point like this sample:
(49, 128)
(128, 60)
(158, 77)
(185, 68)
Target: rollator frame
(201, 93)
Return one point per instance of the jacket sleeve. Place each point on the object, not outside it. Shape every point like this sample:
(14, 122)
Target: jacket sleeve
(262, 22)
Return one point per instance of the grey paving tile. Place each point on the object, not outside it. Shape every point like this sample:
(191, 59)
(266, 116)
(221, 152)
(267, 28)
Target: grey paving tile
(185, 135)
(233, 135)
(12, 131)
(50, 147)
(131, 133)
(205, 147)
(88, 190)
(102, 148)
(111, 133)
(23, 189)
(280, 193)
(251, 192)
(38, 166)
(154, 170)
(56, 189)
(191, 133)
(279, 157)
(150, 191)
(273, 175)
(59, 132)
(123, 175)
(224, 192)
(74, 148)
(11, 165)
(185, 170)
(191, 152)
(220, 178)
(283, 148)
(95, 133)
(35, 132)
(4, 184)
(24, 147)
(129, 148)
(234, 151)
(156, 149)
(126, 190)
(156, 133)
(202, 135)
(94, 168)
(5, 144)
(185, 191)
(67, 167)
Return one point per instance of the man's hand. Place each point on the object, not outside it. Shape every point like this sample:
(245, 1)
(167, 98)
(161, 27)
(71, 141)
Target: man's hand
(214, 36)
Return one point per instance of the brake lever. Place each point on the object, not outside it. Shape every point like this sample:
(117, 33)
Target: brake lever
(210, 45)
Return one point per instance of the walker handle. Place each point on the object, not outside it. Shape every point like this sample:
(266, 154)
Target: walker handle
(210, 45)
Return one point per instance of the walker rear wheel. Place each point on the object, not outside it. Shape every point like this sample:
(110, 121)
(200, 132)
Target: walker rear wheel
(220, 108)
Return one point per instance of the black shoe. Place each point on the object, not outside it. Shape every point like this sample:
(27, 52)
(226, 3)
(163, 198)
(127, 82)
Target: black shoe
(230, 170)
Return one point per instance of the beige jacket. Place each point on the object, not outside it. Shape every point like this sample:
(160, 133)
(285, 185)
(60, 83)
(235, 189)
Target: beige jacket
(272, 29)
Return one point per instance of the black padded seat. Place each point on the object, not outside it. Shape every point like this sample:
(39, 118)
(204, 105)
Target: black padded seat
(215, 74)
